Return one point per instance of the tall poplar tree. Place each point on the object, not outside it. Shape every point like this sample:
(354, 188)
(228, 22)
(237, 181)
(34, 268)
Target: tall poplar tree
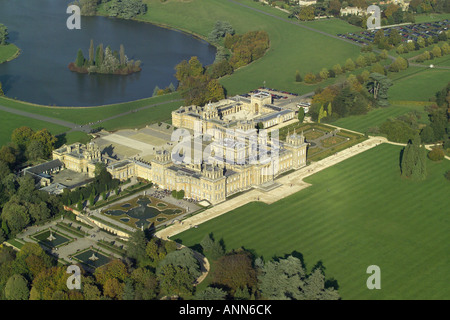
(413, 163)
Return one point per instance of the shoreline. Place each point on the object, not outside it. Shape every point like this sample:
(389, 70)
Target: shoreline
(14, 56)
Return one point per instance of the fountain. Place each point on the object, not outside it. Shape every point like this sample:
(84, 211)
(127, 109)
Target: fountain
(93, 257)
(51, 237)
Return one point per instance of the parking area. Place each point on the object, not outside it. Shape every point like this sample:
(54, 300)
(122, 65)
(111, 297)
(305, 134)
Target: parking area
(409, 32)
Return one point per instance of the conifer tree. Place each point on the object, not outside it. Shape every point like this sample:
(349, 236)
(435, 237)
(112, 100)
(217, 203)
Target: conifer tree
(413, 163)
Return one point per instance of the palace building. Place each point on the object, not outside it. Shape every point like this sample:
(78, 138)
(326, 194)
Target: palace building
(209, 152)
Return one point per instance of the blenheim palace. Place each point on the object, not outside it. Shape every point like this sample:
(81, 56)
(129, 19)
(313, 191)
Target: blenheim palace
(210, 152)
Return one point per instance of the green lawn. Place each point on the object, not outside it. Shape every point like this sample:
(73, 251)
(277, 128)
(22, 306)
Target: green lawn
(418, 84)
(431, 17)
(144, 117)
(376, 117)
(11, 121)
(80, 115)
(7, 52)
(292, 47)
(356, 214)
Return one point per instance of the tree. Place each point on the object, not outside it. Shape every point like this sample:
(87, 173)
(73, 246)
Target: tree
(35, 150)
(122, 56)
(211, 293)
(22, 136)
(301, 114)
(99, 54)
(349, 65)
(298, 77)
(286, 279)
(361, 61)
(113, 289)
(17, 288)
(1, 90)
(7, 155)
(337, 69)
(234, 271)
(137, 246)
(47, 139)
(306, 13)
(91, 52)
(378, 86)
(182, 258)
(436, 154)
(310, 78)
(221, 29)
(324, 74)
(16, 216)
(215, 91)
(413, 162)
(175, 280)
(3, 34)
(79, 62)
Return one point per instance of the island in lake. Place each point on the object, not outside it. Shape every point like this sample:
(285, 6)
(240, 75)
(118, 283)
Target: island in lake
(105, 61)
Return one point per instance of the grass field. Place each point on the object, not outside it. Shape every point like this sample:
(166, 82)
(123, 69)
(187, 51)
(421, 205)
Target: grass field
(376, 117)
(142, 118)
(7, 52)
(292, 47)
(356, 214)
(418, 84)
(80, 115)
(10, 121)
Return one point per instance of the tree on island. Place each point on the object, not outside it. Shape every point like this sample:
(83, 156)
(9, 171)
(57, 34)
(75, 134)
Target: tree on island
(105, 61)
(3, 34)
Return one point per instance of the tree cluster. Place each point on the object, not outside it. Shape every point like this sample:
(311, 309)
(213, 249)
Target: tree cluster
(126, 9)
(438, 129)
(246, 47)
(221, 29)
(239, 275)
(105, 61)
(197, 86)
(362, 61)
(355, 95)
(3, 34)
(100, 185)
(429, 6)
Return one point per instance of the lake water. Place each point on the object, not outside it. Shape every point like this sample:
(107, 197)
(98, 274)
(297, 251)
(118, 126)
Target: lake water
(40, 74)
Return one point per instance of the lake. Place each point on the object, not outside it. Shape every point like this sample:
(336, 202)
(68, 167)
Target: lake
(40, 74)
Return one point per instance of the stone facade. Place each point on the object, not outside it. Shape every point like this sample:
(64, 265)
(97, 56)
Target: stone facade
(234, 156)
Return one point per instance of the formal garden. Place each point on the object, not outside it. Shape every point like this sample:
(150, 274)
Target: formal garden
(324, 140)
(143, 211)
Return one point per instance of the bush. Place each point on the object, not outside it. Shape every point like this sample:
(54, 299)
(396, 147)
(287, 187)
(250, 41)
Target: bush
(437, 154)
(447, 175)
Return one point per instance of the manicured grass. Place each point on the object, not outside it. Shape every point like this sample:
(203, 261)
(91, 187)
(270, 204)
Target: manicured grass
(418, 84)
(74, 136)
(376, 117)
(9, 122)
(80, 115)
(161, 113)
(431, 17)
(292, 47)
(8, 52)
(332, 26)
(356, 214)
